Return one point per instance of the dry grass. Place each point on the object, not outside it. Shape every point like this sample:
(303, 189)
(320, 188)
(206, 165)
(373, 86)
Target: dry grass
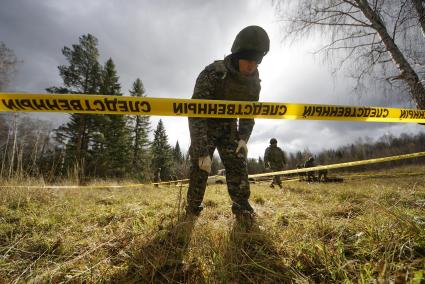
(363, 230)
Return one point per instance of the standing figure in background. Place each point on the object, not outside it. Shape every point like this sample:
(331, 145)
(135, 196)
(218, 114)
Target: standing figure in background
(308, 164)
(274, 159)
(157, 176)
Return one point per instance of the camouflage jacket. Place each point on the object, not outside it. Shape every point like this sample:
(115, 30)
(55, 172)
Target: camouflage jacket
(309, 164)
(220, 81)
(275, 157)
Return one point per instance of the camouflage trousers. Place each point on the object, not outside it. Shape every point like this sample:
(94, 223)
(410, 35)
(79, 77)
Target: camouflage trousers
(236, 176)
(276, 179)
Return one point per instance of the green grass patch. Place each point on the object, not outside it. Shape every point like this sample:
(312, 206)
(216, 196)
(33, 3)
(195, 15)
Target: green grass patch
(368, 229)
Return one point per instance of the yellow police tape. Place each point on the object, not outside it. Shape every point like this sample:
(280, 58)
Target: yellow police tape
(342, 165)
(96, 104)
(318, 168)
(287, 172)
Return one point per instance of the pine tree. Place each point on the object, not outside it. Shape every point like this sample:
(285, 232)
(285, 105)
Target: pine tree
(81, 75)
(178, 159)
(261, 165)
(140, 128)
(161, 152)
(114, 134)
(177, 153)
(215, 165)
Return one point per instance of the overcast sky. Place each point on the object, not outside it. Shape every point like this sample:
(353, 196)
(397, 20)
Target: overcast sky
(167, 43)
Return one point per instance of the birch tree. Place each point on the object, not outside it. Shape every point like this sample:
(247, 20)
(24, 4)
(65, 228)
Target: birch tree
(384, 38)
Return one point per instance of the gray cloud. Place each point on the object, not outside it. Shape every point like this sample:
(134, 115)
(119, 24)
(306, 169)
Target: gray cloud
(167, 43)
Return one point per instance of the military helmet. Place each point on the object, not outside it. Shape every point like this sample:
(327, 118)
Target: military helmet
(273, 141)
(311, 159)
(252, 38)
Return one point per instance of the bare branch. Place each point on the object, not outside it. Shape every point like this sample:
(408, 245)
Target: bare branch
(378, 37)
(403, 4)
(420, 10)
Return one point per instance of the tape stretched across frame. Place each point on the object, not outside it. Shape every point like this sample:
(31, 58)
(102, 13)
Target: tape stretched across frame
(287, 172)
(343, 165)
(124, 105)
(326, 167)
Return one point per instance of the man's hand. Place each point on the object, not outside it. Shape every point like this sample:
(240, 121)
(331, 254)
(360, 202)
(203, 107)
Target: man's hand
(242, 146)
(204, 164)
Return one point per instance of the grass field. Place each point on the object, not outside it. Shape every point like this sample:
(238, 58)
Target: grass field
(366, 229)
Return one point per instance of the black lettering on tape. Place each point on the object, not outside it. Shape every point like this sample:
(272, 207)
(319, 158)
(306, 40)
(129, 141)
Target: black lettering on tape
(282, 109)
(111, 105)
(76, 104)
(133, 106)
(212, 109)
(145, 106)
(248, 109)
(10, 104)
(40, 104)
(122, 106)
(53, 104)
(308, 110)
(266, 110)
(191, 107)
(221, 109)
(100, 106)
(202, 108)
(88, 106)
(26, 103)
(178, 108)
(274, 110)
(64, 104)
(231, 109)
(239, 111)
(384, 112)
(257, 109)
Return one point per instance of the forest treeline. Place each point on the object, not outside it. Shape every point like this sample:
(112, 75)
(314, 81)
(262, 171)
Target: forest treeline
(31, 147)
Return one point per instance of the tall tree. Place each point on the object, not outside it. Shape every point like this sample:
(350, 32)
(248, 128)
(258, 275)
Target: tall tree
(177, 153)
(377, 37)
(8, 64)
(115, 136)
(178, 161)
(215, 165)
(140, 128)
(161, 152)
(81, 75)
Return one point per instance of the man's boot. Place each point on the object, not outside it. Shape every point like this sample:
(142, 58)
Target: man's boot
(245, 215)
(193, 212)
(245, 219)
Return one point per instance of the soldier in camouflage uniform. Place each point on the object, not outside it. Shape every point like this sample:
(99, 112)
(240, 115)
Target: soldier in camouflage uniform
(308, 164)
(274, 159)
(235, 78)
(157, 176)
(301, 175)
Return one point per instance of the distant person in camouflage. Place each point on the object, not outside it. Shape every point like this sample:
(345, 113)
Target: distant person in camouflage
(274, 159)
(308, 164)
(301, 175)
(157, 176)
(235, 78)
(322, 175)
